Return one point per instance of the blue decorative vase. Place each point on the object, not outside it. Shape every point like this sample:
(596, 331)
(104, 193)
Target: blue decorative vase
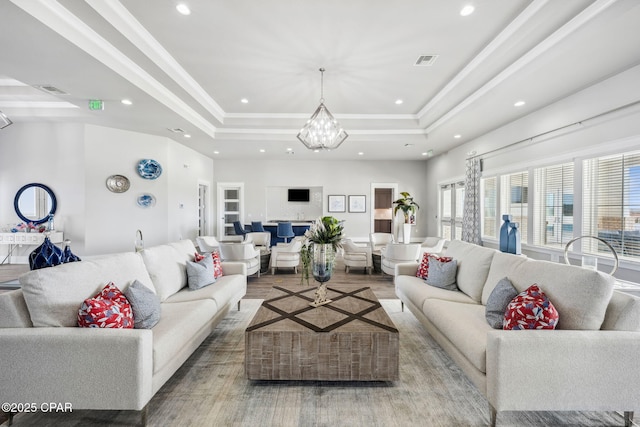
(514, 246)
(504, 233)
(322, 262)
(45, 255)
(67, 255)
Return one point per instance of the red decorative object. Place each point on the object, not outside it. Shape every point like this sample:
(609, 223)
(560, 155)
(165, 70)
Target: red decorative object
(531, 309)
(423, 270)
(108, 309)
(217, 265)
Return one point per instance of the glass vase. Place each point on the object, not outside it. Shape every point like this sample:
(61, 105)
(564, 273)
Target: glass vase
(322, 268)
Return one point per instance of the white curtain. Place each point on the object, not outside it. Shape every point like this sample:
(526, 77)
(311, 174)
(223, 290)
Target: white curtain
(471, 214)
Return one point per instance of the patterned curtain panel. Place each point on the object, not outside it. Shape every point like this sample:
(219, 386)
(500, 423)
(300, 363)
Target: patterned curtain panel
(471, 215)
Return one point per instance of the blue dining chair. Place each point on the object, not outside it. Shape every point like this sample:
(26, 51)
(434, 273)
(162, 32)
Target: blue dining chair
(285, 230)
(238, 228)
(257, 226)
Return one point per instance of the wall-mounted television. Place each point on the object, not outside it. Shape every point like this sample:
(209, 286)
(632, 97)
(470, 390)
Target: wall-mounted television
(298, 195)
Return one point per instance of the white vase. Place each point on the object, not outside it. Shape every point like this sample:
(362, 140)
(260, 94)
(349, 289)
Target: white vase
(406, 233)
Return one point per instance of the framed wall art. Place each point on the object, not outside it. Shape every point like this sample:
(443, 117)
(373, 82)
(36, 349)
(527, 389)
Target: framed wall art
(337, 203)
(357, 204)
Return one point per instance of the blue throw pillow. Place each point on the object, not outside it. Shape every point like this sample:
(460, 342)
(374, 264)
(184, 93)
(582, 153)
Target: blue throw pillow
(200, 274)
(497, 302)
(442, 274)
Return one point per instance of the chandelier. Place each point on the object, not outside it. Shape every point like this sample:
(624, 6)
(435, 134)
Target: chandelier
(322, 131)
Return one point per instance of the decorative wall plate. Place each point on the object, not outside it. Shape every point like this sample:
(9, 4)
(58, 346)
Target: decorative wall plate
(118, 183)
(146, 200)
(149, 169)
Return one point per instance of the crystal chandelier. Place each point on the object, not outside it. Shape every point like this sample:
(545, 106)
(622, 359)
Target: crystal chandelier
(322, 131)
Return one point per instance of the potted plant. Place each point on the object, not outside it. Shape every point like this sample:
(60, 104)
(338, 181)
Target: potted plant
(408, 206)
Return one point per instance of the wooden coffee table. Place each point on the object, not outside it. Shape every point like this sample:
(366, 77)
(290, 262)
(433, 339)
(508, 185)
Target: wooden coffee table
(350, 339)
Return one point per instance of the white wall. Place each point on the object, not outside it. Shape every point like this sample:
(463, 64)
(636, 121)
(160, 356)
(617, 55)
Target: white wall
(75, 161)
(335, 177)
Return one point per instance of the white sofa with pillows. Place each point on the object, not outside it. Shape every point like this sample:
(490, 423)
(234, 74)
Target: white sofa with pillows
(586, 358)
(45, 357)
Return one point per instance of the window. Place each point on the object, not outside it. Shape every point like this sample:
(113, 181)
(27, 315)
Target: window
(451, 210)
(553, 205)
(489, 196)
(514, 199)
(611, 210)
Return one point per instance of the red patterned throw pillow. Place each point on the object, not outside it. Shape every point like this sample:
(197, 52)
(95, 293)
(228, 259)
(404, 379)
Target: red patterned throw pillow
(217, 265)
(423, 270)
(530, 309)
(108, 309)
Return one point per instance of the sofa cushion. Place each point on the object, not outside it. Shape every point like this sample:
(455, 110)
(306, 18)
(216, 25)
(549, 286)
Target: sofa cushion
(145, 305)
(530, 309)
(502, 265)
(581, 296)
(473, 266)
(108, 309)
(13, 310)
(442, 274)
(53, 295)
(414, 289)
(180, 328)
(623, 313)
(167, 266)
(464, 325)
(200, 273)
(498, 301)
(229, 288)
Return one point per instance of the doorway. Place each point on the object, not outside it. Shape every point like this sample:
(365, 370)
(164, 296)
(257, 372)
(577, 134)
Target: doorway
(230, 207)
(382, 197)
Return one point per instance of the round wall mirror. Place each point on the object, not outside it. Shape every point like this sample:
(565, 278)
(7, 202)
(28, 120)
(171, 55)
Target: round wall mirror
(34, 203)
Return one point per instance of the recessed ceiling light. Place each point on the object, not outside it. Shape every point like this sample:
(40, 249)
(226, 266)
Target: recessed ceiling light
(216, 152)
(183, 9)
(399, 101)
(126, 102)
(457, 136)
(316, 151)
(467, 10)
(519, 104)
(360, 153)
(262, 150)
(289, 149)
(186, 135)
(244, 100)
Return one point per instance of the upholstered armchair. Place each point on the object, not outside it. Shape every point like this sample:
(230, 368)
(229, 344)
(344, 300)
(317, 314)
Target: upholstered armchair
(356, 256)
(242, 252)
(207, 243)
(261, 240)
(432, 245)
(398, 253)
(286, 255)
(380, 240)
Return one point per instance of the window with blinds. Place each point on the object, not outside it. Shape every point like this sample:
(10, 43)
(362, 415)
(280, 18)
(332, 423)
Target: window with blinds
(553, 205)
(514, 199)
(451, 210)
(611, 209)
(489, 196)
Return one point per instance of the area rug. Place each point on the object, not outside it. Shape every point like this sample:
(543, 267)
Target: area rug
(210, 389)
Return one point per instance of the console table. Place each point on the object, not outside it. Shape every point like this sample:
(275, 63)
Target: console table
(22, 238)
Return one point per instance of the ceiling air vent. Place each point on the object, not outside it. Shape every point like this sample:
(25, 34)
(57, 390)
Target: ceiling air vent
(176, 130)
(425, 60)
(51, 89)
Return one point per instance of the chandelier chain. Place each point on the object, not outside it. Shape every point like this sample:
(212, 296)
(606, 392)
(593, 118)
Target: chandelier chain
(322, 85)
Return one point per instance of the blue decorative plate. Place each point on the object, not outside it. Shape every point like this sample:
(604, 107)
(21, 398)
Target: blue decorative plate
(146, 200)
(149, 169)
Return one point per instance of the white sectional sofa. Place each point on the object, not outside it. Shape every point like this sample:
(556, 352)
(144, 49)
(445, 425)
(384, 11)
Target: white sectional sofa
(44, 357)
(589, 362)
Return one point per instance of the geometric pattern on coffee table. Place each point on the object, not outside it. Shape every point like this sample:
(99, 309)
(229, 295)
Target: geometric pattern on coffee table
(350, 339)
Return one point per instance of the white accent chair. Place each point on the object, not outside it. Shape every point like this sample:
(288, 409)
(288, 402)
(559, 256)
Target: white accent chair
(260, 239)
(207, 243)
(398, 253)
(242, 252)
(380, 240)
(356, 256)
(432, 245)
(286, 255)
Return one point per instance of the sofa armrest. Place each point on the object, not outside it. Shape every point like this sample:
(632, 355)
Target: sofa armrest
(407, 269)
(231, 267)
(563, 370)
(85, 367)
